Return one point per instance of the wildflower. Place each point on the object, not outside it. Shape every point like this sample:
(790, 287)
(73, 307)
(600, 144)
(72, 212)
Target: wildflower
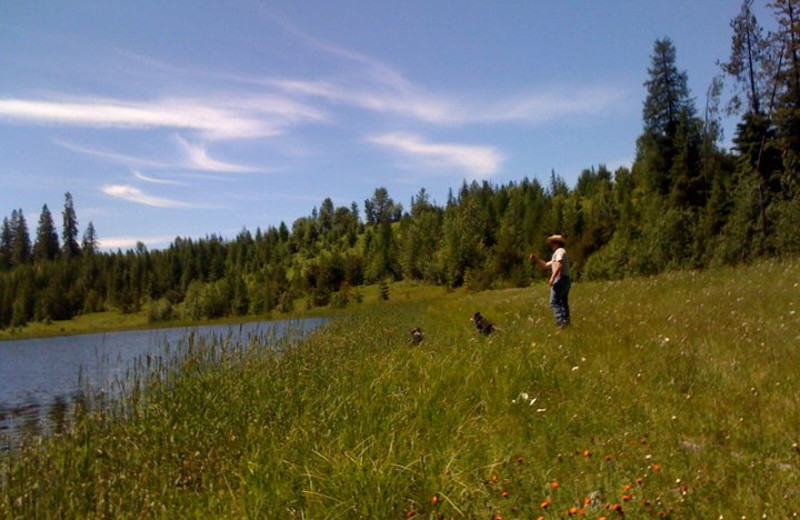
(627, 498)
(587, 453)
(572, 511)
(655, 467)
(495, 479)
(546, 504)
(504, 494)
(435, 500)
(554, 484)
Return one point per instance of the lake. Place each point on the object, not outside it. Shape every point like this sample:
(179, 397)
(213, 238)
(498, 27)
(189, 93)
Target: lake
(40, 377)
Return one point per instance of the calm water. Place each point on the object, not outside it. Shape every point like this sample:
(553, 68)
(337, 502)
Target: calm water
(39, 377)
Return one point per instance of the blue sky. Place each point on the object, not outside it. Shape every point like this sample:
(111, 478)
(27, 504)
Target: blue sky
(187, 118)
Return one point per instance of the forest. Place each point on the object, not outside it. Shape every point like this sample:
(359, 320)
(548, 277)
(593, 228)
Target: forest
(685, 203)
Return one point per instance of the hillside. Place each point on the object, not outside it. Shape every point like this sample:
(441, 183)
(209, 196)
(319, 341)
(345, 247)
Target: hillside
(668, 397)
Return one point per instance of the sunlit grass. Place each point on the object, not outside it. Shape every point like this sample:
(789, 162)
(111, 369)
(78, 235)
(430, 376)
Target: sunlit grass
(674, 396)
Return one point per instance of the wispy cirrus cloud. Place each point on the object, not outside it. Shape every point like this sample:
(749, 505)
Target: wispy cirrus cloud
(191, 157)
(379, 88)
(137, 196)
(154, 180)
(211, 118)
(405, 100)
(479, 161)
(128, 160)
(197, 158)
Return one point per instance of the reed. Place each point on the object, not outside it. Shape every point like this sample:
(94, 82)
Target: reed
(673, 396)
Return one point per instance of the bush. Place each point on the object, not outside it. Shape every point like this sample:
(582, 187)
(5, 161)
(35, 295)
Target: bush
(161, 310)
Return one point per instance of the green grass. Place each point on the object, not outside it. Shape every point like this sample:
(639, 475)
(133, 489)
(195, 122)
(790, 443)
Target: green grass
(674, 396)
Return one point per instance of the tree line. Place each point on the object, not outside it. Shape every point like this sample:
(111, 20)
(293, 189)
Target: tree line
(685, 203)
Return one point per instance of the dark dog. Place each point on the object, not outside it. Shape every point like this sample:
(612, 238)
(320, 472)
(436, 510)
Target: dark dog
(417, 336)
(484, 326)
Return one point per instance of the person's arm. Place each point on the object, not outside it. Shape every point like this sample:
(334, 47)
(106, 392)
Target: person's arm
(538, 261)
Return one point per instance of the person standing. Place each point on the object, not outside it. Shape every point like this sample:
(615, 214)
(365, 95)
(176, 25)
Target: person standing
(559, 278)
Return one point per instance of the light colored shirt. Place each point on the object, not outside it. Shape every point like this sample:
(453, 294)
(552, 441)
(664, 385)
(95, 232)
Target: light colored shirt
(560, 255)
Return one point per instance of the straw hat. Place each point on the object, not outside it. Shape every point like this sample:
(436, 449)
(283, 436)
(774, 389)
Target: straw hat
(559, 239)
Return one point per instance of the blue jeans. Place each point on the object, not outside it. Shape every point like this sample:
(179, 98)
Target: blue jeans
(559, 300)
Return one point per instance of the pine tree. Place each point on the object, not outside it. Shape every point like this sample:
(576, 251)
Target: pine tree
(6, 244)
(69, 232)
(21, 247)
(787, 114)
(89, 244)
(46, 245)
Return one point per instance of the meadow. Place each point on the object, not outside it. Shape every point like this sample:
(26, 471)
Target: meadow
(668, 397)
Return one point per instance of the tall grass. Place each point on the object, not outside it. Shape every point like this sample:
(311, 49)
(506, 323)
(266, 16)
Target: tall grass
(675, 396)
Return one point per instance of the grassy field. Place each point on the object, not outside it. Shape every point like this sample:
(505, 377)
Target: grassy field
(668, 397)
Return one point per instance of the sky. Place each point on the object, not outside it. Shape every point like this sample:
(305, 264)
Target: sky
(197, 117)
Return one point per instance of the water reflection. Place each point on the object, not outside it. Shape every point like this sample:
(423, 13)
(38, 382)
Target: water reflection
(42, 381)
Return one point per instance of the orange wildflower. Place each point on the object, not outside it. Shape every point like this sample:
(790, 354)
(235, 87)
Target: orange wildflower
(546, 504)
(655, 467)
(435, 499)
(504, 494)
(554, 484)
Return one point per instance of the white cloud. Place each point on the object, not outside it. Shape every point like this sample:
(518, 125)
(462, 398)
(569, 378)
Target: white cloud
(380, 88)
(553, 105)
(212, 118)
(480, 161)
(145, 178)
(197, 159)
(133, 162)
(133, 194)
(129, 242)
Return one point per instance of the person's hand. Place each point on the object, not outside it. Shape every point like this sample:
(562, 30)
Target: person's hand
(533, 258)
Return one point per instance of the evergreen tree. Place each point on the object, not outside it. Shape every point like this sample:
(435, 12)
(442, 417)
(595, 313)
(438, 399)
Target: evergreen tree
(46, 245)
(668, 115)
(6, 244)
(747, 65)
(69, 231)
(21, 247)
(787, 114)
(89, 243)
